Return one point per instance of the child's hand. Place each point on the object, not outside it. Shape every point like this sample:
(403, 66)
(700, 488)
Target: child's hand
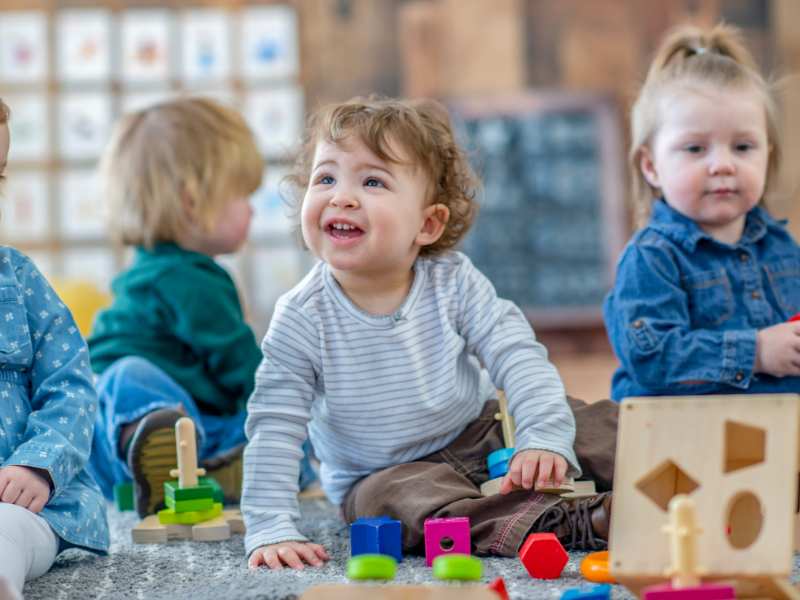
(528, 465)
(24, 487)
(291, 554)
(778, 350)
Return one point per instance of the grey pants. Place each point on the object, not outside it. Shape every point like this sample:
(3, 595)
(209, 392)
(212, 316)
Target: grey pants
(447, 483)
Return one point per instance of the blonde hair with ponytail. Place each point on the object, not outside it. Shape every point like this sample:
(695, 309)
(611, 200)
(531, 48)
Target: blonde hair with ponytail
(693, 56)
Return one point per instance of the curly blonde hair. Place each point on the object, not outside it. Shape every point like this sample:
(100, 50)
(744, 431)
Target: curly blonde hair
(689, 56)
(422, 129)
(5, 112)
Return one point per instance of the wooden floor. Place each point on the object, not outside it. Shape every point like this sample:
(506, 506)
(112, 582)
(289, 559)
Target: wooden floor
(586, 375)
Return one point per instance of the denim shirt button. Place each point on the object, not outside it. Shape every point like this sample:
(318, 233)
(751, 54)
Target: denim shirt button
(756, 295)
(637, 324)
(739, 376)
(744, 257)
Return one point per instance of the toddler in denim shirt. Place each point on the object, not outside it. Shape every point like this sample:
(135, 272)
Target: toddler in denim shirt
(48, 501)
(703, 292)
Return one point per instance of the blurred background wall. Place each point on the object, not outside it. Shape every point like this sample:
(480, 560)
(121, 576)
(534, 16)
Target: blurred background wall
(539, 91)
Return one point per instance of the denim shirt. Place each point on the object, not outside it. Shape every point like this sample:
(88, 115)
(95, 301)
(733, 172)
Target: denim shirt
(48, 402)
(684, 311)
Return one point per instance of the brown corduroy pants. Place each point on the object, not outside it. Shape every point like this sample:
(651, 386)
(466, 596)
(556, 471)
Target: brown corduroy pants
(447, 483)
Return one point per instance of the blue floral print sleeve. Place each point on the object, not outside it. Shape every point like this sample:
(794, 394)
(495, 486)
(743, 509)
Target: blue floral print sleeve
(47, 400)
(685, 309)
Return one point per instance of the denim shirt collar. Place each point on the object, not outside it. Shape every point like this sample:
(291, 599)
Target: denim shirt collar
(684, 231)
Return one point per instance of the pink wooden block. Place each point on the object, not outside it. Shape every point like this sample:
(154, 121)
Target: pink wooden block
(446, 536)
(706, 591)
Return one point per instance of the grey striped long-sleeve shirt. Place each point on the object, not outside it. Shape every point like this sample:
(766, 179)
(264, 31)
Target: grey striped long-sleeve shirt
(376, 391)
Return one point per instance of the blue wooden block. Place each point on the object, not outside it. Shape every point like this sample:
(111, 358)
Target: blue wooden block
(596, 592)
(377, 535)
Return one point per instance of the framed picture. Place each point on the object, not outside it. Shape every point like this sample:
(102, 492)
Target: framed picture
(271, 209)
(25, 207)
(269, 42)
(276, 116)
(146, 46)
(29, 126)
(84, 125)
(206, 51)
(23, 47)
(81, 209)
(84, 51)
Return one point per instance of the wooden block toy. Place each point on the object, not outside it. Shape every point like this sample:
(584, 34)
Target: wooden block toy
(708, 591)
(371, 566)
(736, 458)
(123, 496)
(568, 489)
(186, 442)
(595, 592)
(398, 592)
(498, 586)
(151, 531)
(457, 567)
(506, 420)
(377, 535)
(207, 487)
(595, 568)
(543, 556)
(168, 516)
(583, 489)
(446, 536)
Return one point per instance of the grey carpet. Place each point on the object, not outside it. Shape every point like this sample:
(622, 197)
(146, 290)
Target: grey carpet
(217, 570)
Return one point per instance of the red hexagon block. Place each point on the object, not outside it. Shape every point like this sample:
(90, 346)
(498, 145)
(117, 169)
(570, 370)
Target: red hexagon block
(543, 556)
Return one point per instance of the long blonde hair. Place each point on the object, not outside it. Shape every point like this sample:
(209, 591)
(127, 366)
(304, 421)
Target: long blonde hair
(157, 156)
(690, 55)
(5, 112)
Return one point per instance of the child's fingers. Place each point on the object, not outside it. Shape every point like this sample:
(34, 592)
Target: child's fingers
(506, 485)
(545, 469)
(320, 551)
(560, 470)
(25, 498)
(266, 556)
(38, 503)
(309, 554)
(11, 493)
(528, 472)
(289, 556)
(515, 471)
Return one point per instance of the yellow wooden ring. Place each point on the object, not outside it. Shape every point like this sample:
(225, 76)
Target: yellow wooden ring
(595, 568)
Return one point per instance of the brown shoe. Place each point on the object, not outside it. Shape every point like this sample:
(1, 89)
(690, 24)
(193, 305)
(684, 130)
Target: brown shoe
(580, 523)
(151, 456)
(226, 468)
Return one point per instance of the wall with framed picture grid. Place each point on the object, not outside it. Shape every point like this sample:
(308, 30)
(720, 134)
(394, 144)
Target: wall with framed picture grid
(68, 72)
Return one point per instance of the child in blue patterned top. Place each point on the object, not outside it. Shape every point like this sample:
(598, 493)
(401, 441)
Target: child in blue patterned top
(48, 502)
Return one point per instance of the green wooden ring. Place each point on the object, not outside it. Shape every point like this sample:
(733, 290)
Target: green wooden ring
(460, 567)
(372, 566)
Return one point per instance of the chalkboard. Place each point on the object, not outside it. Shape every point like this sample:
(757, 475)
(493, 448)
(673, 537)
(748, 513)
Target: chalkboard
(552, 214)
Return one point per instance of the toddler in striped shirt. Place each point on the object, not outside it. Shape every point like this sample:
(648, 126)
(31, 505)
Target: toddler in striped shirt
(389, 354)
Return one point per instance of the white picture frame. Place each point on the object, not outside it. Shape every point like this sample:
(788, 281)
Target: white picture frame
(23, 47)
(271, 211)
(26, 208)
(82, 213)
(84, 124)
(276, 117)
(84, 45)
(29, 127)
(269, 43)
(146, 50)
(205, 45)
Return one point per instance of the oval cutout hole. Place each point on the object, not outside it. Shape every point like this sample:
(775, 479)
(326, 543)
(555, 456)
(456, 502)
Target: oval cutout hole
(447, 543)
(745, 518)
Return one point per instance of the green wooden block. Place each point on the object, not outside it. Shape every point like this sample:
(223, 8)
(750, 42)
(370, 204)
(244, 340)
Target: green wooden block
(168, 516)
(457, 567)
(372, 566)
(123, 495)
(207, 487)
(182, 506)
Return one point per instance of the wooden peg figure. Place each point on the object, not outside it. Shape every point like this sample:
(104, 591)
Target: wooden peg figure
(186, 442)
(683, 530)
(507, 421)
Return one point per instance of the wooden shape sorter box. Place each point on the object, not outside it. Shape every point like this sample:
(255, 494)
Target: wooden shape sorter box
(736, 457)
